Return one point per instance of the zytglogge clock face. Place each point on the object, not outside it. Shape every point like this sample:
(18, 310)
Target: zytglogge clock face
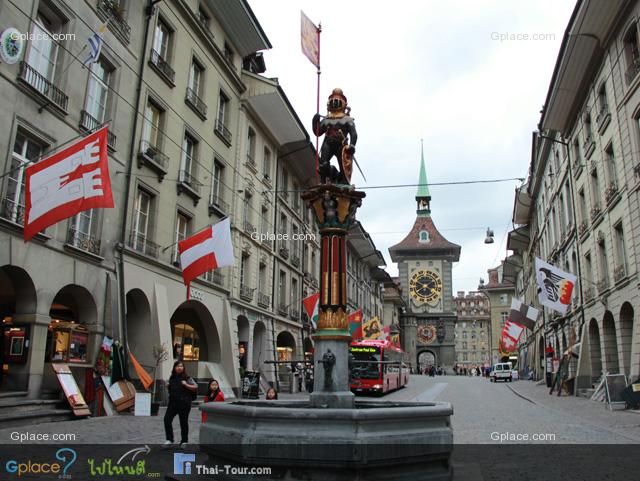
(425, 286)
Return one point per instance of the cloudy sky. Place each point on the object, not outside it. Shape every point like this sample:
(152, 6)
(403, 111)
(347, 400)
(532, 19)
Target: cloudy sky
(432, 70)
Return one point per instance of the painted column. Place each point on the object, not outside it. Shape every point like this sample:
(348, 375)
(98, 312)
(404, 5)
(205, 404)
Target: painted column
(334, 208)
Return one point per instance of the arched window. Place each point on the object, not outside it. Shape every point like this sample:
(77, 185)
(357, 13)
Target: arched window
(424, 236)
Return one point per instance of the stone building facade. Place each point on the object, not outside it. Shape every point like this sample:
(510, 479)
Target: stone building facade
(473, 329)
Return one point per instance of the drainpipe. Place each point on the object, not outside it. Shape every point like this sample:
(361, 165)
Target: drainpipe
(273, 283)
(132, 147)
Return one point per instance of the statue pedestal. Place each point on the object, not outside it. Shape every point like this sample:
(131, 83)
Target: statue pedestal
(335, 392)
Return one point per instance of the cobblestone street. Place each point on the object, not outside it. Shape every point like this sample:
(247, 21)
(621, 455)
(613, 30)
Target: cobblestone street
(482, 411)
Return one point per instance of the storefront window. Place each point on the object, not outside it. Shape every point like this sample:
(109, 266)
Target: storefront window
(67, 342)
(186, 341)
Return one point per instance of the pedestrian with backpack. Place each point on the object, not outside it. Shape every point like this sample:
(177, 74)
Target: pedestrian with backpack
(182, 391)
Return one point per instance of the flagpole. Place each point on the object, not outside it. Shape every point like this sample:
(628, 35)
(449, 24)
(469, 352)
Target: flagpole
(319, 30)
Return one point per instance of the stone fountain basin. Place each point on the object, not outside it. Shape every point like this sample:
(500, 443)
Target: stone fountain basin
(373, 435)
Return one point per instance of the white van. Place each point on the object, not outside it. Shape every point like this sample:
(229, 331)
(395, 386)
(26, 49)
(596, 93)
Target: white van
(501, 371)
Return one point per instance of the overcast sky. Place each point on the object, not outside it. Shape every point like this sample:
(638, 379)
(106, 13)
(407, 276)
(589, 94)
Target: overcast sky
(432, 70)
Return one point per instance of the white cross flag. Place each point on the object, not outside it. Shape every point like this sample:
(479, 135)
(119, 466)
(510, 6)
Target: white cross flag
(555, 286)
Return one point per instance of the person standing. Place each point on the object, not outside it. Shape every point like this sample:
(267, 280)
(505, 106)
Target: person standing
(182, 390)
(214, 394)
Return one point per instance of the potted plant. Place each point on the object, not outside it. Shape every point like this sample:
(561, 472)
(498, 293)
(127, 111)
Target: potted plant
(160, 354)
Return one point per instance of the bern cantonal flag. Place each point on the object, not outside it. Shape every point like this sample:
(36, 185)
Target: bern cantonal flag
(523, 314)
(310, 39)
(311, 304)
(355, 324)
(554, 286)
(68, 182)
(209, 249)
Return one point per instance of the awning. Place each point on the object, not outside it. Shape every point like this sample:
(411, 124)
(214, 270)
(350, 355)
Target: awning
(240, 24)
(580, 55)
(511, 266)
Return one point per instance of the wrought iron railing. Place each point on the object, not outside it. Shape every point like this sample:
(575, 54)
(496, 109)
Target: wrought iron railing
(249, 227)
(13, 211)
(223, 131)
(611, 192)
(142, 244)
(246, 292)
(154, 155)
(161, 65)
(251, 161)
(263, 300)
(283, 309)
(595, 213)
(114, 12)
(82, 240)
(294, 314)
(189, 179)
(43, 86)
(295, 260)
(602, 115)
(603, 284)
(632, 70)
(216, 202)
(90, 123)
(620, 272)
(214, 276)
(204, 23)
(195, 102)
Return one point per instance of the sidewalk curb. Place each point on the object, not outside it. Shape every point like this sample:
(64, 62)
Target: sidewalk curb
(521, 395)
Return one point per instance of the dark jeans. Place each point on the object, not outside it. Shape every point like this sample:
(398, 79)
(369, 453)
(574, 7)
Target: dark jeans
(183, 414)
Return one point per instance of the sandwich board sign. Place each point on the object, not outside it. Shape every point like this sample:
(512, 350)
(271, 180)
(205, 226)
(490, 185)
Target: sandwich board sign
(615, 385)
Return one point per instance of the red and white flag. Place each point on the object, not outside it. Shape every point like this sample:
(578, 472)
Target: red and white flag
(510, 335)
(68, 182)
(310, 39)
(311, 305)
(207, 250)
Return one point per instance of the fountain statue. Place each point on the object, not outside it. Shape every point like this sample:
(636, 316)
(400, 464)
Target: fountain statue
(331, 435)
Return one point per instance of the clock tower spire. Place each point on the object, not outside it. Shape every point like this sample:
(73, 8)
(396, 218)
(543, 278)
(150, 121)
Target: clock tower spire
(423, 197)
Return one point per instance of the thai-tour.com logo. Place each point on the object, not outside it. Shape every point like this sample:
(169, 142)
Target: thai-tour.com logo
(57, 468)
(185, 463)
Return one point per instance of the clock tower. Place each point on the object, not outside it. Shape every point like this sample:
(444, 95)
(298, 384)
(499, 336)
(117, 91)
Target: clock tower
(425, 259)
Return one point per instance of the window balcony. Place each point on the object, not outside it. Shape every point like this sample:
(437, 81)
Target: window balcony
(283, 309)
(295, 260)
(632, 70)
(249, 228)
(611, 193)
(603, 119)
(83, 241)
(162, 68)
(595, 214)
(218, 206)
(294, 314)
(204, 24)
(89, 124)
(582, 228)
(284, 252)
(251, 163)
(619, 273)
(589, 146)
(188, 184)
(140, 243)
(603, 284)
(154, 158)
(223, 132)
(196, 103)
(215, 277)
(12, 211)
(263, 300)
(51, 95)
(246, 293)
(111, 10)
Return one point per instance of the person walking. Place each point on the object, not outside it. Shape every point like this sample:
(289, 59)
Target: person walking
(182, 390)
(214, 394)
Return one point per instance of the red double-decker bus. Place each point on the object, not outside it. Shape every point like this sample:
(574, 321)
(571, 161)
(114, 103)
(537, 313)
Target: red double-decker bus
(377, 367)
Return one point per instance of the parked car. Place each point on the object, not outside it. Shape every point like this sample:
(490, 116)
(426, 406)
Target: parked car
(501, 371)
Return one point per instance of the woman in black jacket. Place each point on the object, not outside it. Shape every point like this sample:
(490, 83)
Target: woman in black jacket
(182, 390)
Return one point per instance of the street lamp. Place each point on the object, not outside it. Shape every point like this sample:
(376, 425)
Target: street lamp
(489, 238)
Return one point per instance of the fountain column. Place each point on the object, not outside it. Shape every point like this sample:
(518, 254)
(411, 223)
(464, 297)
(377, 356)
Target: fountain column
(334, 208)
